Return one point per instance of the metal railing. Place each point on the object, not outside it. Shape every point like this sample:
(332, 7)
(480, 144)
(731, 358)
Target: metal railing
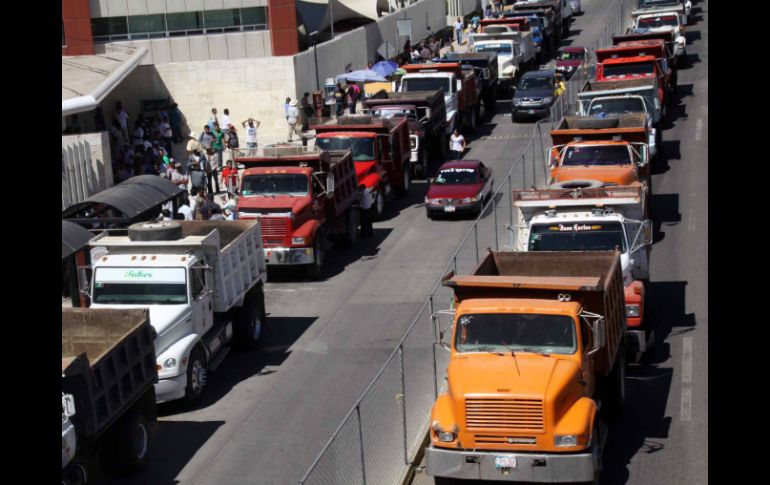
(381, 435)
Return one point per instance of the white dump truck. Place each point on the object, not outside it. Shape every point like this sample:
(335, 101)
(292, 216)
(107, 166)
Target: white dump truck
(202, 282)
(595, 219)
(514, 51)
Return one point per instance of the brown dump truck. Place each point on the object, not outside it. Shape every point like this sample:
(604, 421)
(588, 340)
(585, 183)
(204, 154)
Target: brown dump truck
(108, 394)
(537, 349)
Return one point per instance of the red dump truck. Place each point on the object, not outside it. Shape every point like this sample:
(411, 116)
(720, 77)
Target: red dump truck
(638, 61)
(380, 152)
(537, 349)
(301, 196)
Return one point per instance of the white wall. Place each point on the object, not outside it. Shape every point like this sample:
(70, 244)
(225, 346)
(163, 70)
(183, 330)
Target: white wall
(247, 87)
(86, 166)
(235, 45)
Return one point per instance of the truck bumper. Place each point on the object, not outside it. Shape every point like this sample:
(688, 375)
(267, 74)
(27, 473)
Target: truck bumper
(289, 256)
(530, 467)
(170, 389)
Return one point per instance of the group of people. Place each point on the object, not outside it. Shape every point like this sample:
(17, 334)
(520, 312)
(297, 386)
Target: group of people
(346, 96)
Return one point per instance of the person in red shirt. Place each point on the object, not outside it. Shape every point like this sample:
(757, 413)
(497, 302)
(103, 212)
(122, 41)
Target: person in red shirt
(230, 177)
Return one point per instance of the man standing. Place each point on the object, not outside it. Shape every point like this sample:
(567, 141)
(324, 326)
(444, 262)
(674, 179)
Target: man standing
(456, 144)
(365, 201)
(286, 108)
(459, 30)
(339, 100)
(225, 121)
(352, 98)
(197, 175)
(176, 176)
(230, 177)
(167, 135)
(213, 118)
(292, 118)
(193, 144)
(232, 140)
(185, 209)
(251, 132)
(176, 122)
(216, 162)
(122, 118)
(306, 106)
(206, 139)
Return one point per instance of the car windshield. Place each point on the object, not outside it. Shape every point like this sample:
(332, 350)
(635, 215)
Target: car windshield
(528, 83)
(498, 48)
(292, 184)
(616, 106)
(596, 155)
(140, 286)
(571, 56)
(593, 236)
(452, 176)
(362, 148)
(394, 113)
(629, 69)
(500, 332)
(654, 22)
(425, 84)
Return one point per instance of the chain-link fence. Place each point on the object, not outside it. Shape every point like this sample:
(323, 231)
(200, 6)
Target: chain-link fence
(382, 434)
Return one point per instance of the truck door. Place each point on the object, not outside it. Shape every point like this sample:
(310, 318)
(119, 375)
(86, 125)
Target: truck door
(639, 234)
(318, 207)
(386, 155)
(201, 298)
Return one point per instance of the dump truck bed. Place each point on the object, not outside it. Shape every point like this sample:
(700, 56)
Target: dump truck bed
(593, 278)
(630, 127)
(108, 363)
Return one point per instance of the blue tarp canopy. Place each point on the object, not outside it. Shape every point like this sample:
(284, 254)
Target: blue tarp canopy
(385, 68)
(361, 76)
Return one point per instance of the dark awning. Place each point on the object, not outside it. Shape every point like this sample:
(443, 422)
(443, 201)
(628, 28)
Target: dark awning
(73, 238)
(131, 198)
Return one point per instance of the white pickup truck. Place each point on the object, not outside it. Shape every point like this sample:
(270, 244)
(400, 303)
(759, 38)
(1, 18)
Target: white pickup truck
(202, 282)
(514, 51)
(663, 22)
(683, 7)
(431, 81)
(592, 220)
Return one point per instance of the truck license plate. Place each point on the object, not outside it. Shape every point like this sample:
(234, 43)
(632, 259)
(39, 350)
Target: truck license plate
(449, 208)
(505, 461)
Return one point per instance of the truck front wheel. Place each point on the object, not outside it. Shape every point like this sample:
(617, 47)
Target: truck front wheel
(315, 269)
(406, 181)
(352, 220)
(196, 376)
(378, 208)
(250, 320)
(128, 445)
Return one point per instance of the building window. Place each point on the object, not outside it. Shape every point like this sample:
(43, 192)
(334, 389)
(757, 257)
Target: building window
(147, 26)
(185, 23)
(109, 28)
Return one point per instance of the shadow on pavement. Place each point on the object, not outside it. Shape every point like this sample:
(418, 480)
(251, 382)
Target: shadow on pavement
(668, 150)
(665, 304)
(664, 209)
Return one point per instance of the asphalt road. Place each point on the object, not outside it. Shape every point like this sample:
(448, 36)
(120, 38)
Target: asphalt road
(267, 414)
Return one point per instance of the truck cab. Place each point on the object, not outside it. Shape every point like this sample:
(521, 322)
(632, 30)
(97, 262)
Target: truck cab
(613, 92)
(430, 81)
(664, 22)
(604, 106)
(637, 62)
(610, 162)
(682, 7)
(602, 219)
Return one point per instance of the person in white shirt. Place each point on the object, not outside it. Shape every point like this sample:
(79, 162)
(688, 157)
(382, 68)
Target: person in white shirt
(224, 122)
(459, 30)
(251, 132)
(365, 200)
(185, 209)
(295, 128)
(167, 135)
(213, 119)
(456, 144)
(177, 178)
(122, 117)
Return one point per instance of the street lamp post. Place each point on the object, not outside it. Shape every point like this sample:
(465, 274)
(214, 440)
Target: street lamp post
(314, 41)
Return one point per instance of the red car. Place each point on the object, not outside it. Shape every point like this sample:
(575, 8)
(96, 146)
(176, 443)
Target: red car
(570, 59)
(461, 186)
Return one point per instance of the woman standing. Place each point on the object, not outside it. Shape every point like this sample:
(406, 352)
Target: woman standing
(456, 144)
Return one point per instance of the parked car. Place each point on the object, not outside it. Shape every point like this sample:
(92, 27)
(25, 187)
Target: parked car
(534, 95)
(460, 186)
(570, 59)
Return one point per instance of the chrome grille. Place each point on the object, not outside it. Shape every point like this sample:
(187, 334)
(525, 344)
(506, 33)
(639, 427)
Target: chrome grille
(513, 414)
(274, 227)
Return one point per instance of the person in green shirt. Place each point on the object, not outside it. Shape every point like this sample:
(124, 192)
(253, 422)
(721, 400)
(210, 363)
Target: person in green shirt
(218, 145)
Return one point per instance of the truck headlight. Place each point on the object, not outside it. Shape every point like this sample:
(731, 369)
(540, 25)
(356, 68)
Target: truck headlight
(169, 363)
(298, 240)
(446, 436)
(632, 310)
(565, 440)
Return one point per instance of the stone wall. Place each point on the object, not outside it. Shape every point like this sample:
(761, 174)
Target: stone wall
(86, 166)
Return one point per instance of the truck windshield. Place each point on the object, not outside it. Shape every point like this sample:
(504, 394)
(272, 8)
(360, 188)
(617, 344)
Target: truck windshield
(596, 155)
(592, 236)
(498, 48)
(616, 106)
(630, 69)
(571, 56)
(140, 286)
(528, 83)
(658, 3)
(362, 148)
(500, 332)
(395, 113)
(655, 22)
(425, 84)
(292, 184)
(452, 176)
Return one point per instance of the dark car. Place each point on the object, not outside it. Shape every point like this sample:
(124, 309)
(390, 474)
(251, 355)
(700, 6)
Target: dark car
(570, 59)
(460, 187)
(534, 95)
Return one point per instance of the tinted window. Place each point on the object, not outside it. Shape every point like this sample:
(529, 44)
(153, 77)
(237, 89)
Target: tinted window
(617, 106)
(275, 184)
(451, 176)
(426, 84)
(593, 236)
(491, 332)
(499, 48)
(536, 83)
(596, 155)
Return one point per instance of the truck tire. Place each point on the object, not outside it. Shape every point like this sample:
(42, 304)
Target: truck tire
(250, 320)
(315, 270)
(127, 445)
(352, 220)
(155, 231)
(614, 399)
(406, 181)
(421, 169)
(378, 208)
(577, 184)
(196, 376)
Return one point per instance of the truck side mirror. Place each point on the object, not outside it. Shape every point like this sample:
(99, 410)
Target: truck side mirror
(647, 232)
(68, 405)
(459, 85)
(329, 185)
(83, 280)
(599, 336)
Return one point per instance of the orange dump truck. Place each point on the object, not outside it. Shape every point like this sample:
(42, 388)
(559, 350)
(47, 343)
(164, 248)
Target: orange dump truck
(537, 349)
(601, 151)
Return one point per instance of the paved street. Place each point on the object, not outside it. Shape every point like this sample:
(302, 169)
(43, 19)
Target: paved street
(267, 414)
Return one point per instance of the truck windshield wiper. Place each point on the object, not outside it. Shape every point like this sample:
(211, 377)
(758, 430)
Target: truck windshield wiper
(487, 348)
(532, 351)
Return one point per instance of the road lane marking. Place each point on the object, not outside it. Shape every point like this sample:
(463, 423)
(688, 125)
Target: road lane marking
(686, 404)
(699, 129)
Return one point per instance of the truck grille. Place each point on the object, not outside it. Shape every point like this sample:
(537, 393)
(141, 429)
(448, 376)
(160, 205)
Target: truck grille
(504, 413)
(274, 227)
